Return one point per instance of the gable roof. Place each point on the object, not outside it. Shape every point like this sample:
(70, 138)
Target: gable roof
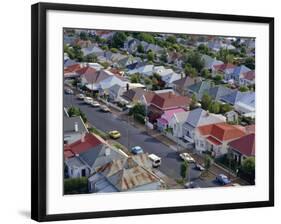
(82, 145)
(199, 117)
(181, 116)
(169, 100)
(133, 94)
(221, 131)
(89, 73)
(69, 128)
(200, 87)
(186, 81)
(224, 67)
(244, 145)
(92, 50)
(218, 91)
(240, 70)
(250, 75)
(234, 97)
(168, 114)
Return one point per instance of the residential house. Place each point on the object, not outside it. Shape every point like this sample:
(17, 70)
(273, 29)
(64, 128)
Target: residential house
(73, 129)
(67, 62)
(234, 97)
(215, 138)
(92, 50)
(131, 44)
(133, 95)
(199, 89)
(226, 70)
(247, 78)
(166, 101)
(115, 92)
(210, 63)
(71, 70)
(164, 120)
(146, 70)
(246, 105)
(217, 92)
(85, 156)
(176, 123)
(196, 118)
(238, 72)
(231, 116)
(242, 148)
(181, 85)
(83, 43)
(127, 174)
(109, 82)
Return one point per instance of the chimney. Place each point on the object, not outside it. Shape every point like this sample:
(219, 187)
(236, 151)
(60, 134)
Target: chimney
(127, 87)
(83, 137)
(76, 127)
(107, 151)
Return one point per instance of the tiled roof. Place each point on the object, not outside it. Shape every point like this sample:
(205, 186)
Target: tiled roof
(223, 67)
(169, 100)
(186, 81)
(83, 145)
(250, 75)
(221, 131)
(245, 145)
(72, 68)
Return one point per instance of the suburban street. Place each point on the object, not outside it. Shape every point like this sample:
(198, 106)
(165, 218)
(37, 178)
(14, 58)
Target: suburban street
(132, 136)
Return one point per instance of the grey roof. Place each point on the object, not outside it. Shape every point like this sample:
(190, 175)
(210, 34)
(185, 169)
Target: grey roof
(69, 132)
(181, 116)
(218, 91)
(199, 117)
(99, 156)
(200, 88)
(233, 97)
(69, 62)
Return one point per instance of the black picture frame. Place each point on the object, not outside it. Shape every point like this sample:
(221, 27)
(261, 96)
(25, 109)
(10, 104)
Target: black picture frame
(39, 122)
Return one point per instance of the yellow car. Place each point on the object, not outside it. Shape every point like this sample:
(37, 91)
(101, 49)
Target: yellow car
(114, 134)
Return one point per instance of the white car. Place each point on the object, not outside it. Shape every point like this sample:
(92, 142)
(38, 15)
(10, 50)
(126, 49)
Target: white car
(88, 100)
(186, 157)
(95, 104)
(80, 96)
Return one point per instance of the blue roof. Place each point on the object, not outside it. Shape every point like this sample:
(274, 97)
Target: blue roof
(240, 70)
(236, 96)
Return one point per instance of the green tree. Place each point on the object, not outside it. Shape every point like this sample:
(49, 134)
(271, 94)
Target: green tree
(190, 71)
(194, 102)
(194, 59)
(217, 79)
(135, 78)
(184, 170)
(206, 101)
(243, 89)
(150, 56)
(75, 111)
(138, 109)
(203, 49)
(76, 185)
(114, 50)
(83, 36)
(250, 62)
(140, 49)
(118, 39)
(208, 161)
(172, 39)
(147, 81)
(225, 108)
(214, 107)
(205, 73)
(147, 37)
(248, 165)
(91, 58)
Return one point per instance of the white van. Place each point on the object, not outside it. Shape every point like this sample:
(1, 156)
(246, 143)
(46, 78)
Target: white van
(156, 161)
(88, 100)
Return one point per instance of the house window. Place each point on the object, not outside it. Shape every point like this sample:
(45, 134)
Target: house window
(83, 172)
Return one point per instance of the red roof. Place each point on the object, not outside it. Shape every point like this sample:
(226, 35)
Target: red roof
(72, 68)
(89, 73)
(250, 75)
(213, 140)
(223, 67)
(250, 128)
(169, 101)
(80, 146)
(221, 131)
(245, 145)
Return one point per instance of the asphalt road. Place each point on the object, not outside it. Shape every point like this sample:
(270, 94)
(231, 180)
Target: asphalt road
(131, 136)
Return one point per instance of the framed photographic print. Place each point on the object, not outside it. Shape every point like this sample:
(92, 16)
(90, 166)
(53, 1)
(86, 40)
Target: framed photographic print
(139, 111)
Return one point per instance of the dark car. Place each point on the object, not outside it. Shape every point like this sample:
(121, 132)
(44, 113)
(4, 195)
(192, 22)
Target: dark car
(222, 179)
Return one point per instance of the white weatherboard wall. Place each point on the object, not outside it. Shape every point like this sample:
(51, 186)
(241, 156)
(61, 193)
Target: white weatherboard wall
(15, 123)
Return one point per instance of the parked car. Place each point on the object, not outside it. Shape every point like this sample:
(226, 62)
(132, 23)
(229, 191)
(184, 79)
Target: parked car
(80, 96)
(137, 150)
(191, 184)
(186, 157)
(104, 108)
(156, 160)
(114, 134)
(95, 104)
(199, 167)
(222, 179)
(68, 91)
(88, 100)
